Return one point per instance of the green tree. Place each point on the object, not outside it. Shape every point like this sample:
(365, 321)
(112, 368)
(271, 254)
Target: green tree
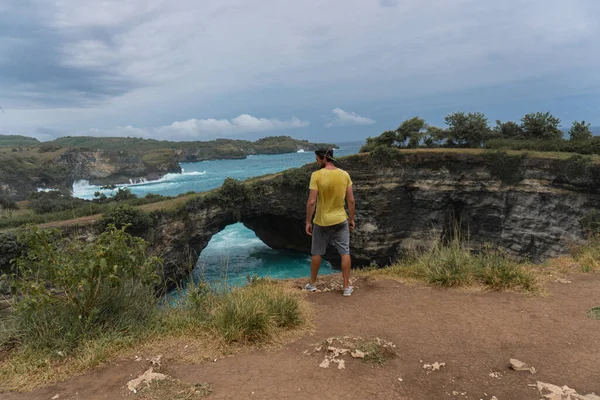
(387, 138)
(411, 132)
(434, 136)
(467, 130)
(541, 126)
(508, 130)
(580, 131)
(7, 206)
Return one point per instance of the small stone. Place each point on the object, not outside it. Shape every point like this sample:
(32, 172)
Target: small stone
(156, 360)
(318, 348)
(521, 366)
(435, 366)
(562, 280)
(146, 377)
(496, 375)
(325, 363)
(341, 364)
(400, 379)
(357, 354)
(55, 397)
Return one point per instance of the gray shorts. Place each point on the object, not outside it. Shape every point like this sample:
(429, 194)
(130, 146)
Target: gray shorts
(337, 235)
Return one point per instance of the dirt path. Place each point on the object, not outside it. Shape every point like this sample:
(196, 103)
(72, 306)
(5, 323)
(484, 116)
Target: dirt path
(474, 334)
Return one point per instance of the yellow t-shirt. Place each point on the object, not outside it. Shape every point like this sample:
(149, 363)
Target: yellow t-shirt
(332, 185)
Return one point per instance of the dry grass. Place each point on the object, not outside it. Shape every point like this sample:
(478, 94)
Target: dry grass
(174, 389)
(180, 335)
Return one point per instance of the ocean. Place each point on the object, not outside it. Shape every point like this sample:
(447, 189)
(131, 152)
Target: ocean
(235, 252)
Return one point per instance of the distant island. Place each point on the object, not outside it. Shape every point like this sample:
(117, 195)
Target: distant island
(26, 164)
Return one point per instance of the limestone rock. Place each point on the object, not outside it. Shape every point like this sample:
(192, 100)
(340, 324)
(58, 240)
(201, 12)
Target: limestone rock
(521, 366)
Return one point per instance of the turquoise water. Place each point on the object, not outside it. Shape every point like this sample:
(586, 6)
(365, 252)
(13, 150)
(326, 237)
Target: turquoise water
(236, 252)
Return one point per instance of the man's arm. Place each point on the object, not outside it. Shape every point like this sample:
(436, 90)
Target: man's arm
(351, 206)
(310, 210)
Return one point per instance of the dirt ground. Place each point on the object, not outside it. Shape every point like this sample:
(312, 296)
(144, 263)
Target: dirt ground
(474, 333)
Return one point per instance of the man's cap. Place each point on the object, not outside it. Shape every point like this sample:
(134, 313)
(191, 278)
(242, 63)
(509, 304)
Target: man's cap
(324, 152)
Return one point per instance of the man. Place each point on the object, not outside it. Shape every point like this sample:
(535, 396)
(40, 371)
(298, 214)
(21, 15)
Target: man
(329, 188)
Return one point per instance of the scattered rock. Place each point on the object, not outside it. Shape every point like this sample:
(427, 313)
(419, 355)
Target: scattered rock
(521, 366)
(357, 354)
(434, 367)
(156, 360)
(562, 280)
(496, 375)
(325, 363)
(146, 378)
(554, 392)
(341, 363)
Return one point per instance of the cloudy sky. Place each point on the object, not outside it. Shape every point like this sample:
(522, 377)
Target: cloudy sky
(315, 69)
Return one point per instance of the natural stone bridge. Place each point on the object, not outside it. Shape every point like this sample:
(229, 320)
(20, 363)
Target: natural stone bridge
(527, 206)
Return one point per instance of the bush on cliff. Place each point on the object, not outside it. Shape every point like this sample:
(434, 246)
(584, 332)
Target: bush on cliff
(505, 167)
(53, 201)
(126, 215)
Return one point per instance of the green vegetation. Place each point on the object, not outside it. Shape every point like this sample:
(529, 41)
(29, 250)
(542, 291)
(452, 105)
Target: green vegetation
(594, 313)
(126, 216)
(78, 303)
(505, 167)
(9, 249)
(7, 206)
(17, 140)
(220, 148)
(173, 389)
(588, 255)
(580, 131)
(97, 290)
(57, 206)
(536, 131)
(452, 264)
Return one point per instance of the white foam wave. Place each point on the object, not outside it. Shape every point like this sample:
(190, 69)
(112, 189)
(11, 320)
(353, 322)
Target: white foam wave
(84, 190)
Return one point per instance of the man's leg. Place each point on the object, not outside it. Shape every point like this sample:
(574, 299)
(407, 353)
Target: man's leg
(346, 265)
(315, 264)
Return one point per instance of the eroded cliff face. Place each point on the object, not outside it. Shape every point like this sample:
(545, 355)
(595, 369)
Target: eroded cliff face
(104, 167)
(528, 206)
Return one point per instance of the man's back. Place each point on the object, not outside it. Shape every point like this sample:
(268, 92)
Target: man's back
(331, 185)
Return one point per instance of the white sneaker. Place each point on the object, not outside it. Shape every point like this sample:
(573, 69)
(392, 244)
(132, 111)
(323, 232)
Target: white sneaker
(310, 288)
(348, 291)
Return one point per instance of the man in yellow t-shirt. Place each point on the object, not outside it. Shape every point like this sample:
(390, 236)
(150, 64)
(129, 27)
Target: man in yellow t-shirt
(329, 188)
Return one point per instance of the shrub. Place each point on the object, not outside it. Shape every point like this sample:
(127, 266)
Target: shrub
(591, 223)
(573, 167)
(70, 292)
(126, 215)
(232, 192)
(53, 201)
(9, 250)
(124, 194)
(505, 167)
(383, 156)
(296, 178)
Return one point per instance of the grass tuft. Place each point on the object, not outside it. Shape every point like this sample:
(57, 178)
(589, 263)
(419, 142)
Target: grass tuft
(453, 264)
(594, 313)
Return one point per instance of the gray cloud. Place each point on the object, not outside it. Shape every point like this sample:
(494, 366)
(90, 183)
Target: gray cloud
(150, 62)
(193, 129)
(388, 3)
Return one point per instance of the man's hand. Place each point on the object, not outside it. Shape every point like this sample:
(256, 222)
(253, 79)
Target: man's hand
(351, 224)
(309, 229)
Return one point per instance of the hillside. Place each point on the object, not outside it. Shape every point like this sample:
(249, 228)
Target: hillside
(18, 140)
(201, 150)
